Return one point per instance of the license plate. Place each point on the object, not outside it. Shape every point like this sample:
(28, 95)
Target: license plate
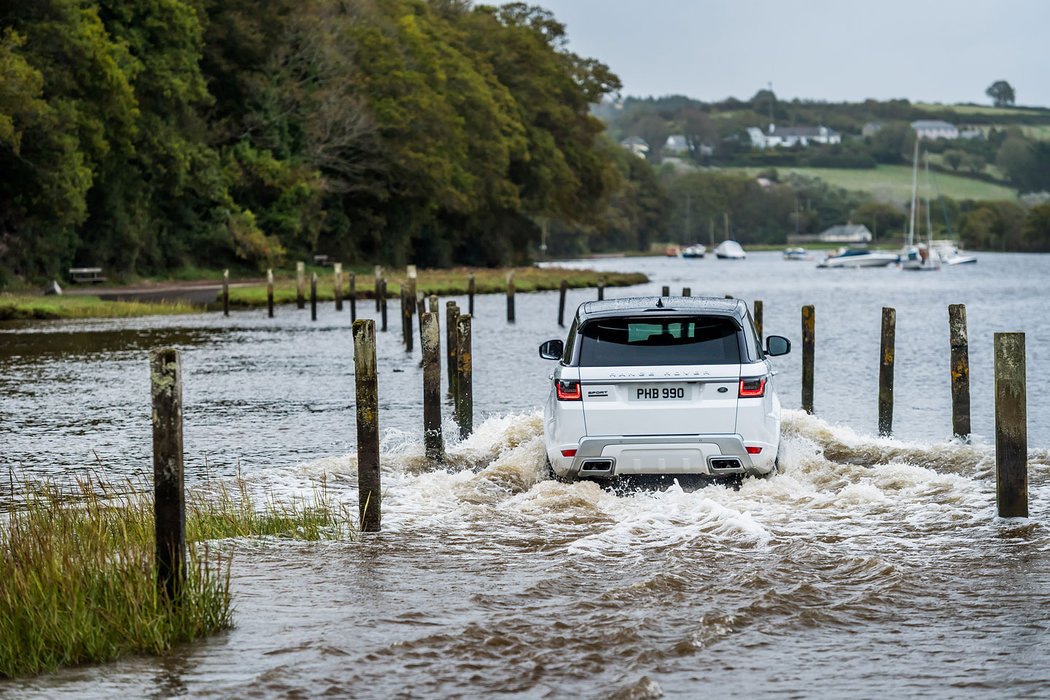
(659, 392)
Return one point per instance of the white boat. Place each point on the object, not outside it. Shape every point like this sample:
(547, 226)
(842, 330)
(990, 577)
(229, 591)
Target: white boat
(919, 257)
(730, 250)
(697, 250)
(858, 257)
(796, 254)
(949, 254)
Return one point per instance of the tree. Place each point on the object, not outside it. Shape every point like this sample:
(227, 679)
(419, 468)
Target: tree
(1002, 93)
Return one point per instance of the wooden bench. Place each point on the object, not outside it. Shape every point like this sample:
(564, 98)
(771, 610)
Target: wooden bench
(86, 275)
(321, 260)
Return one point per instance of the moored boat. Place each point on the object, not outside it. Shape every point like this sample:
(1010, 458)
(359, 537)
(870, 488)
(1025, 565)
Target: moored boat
(858, 257)
(697, 250)
(730, 250)
(796, 254)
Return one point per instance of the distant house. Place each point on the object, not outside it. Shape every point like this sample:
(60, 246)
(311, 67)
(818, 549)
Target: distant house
(788, 136)
(971, 133)
(636, 145)
(844, 233)
(677, 144)
(871, 128)
(934, 129)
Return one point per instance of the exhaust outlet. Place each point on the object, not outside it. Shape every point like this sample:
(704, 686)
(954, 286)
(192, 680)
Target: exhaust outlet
(596, 466)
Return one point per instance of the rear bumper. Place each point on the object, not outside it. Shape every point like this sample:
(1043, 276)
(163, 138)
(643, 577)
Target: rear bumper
(714, 455)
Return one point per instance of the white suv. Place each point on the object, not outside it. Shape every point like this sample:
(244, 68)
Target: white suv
(662, 385)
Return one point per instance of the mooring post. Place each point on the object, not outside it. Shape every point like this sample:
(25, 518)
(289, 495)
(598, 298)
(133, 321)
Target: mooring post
(561, 302)
(269, 293)
(382, 303)
(169, 502)
(960, 369)
(421, 308)
(757, 314)
(687, 291)
(510, 297)
(368, 480)
(353, 297)
(470, 295)
(313, 296)
(464, 380)
(300, 285)
(1011, 426)
(808, 339)
(665, 291)
(886, 357)
(407, 305)
(601, 288)
(431, 344)
(378, 272)
(225, 292)
(337, 271)
(432, 307)
(452, 344)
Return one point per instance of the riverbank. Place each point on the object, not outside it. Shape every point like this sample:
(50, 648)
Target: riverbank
(163, 297)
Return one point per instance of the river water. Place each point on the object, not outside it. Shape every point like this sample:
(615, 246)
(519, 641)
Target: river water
(869, 565)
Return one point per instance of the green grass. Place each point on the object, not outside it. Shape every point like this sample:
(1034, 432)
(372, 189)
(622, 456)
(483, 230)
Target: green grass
(892, 183)
(980, 109)
(77, 583)
(25, 307)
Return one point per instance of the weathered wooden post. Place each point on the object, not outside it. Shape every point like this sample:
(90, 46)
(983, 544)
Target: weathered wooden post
(382, 303)
(601, 288)
(510, 297)
(665, 291)
(758, 320)
(353, 297)
(269, 293)
(452, 344)
(470, 295)
(337, 271)
(300, 285)
(808, 339)
(169, 502)
(378, 272)
(407, 304)
(368, 479)
(431, 344)
(313, 296)
(421, 308)
(225, 292)
(886, 357)
(464, 378)
(1011, 426)
(561, 302)
(960, 369)
(687, 291)
(432, 306)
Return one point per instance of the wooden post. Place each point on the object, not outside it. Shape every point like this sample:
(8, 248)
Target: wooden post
(1011, 426)
(960, 369)
(300, 285)
(313, 296)
(225, 292)
(378, 272)
(601, 288)
(407, 305)
(353, 297)
(338, 273)
(470, 295)
(169, 502)
(665, 292)
(464, 378)
(510, 297)
(431, 345)
(758, 320)
(886, 356)
(687, 291)
(808, 340)
(432, 306)
(382, 302)
(561, 302)
(368, 479)
(421, 308)
(452, 344)
(269, 293)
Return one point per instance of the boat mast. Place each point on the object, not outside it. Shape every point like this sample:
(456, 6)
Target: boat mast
(929, 222)
(914, 190)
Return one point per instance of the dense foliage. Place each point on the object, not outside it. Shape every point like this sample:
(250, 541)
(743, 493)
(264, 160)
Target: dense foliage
(147, 135)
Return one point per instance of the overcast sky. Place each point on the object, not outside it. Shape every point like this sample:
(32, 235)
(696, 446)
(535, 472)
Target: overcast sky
(834, 50)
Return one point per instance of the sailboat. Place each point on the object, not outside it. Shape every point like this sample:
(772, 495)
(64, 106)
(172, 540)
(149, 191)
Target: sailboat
(729, 249)
(919, 257)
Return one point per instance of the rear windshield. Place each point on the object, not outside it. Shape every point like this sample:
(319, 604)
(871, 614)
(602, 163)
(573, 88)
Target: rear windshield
(626, 342)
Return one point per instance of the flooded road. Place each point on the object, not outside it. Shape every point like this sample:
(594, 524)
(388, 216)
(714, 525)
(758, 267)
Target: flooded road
(869, 565)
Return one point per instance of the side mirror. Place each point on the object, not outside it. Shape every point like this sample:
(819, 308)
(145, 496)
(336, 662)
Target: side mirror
(777, 345)
(552, 349)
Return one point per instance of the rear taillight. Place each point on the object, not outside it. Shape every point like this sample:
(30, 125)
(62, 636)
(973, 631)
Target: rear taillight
(568, 453)
(753, 450)
(568, 391)
(752, 388)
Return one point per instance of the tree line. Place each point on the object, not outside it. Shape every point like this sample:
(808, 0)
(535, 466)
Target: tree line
(149, 135)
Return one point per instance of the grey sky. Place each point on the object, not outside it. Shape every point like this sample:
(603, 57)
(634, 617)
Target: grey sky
(922, 50)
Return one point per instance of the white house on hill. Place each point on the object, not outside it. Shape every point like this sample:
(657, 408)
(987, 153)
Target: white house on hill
(788, 136)
(636, 145)
(934, 129)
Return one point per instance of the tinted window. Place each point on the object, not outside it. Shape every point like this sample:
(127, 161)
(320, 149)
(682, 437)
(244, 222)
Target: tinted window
(624, 342)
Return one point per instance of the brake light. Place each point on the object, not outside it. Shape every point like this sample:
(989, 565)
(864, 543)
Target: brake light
(568, 453)
(754, 450)
(752, 388)
(568, 391)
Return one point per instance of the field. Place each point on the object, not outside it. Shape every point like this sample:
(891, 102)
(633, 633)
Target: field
(980, 109)
(892, 183)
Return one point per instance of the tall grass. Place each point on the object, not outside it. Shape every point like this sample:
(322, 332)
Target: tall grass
(77, 578)
(15, 307)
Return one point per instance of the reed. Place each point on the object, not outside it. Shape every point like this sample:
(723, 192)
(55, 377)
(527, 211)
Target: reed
(77, 579)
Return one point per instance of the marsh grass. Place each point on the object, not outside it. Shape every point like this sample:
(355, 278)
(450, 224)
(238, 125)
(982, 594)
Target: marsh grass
(77, 583)
(14, 307)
